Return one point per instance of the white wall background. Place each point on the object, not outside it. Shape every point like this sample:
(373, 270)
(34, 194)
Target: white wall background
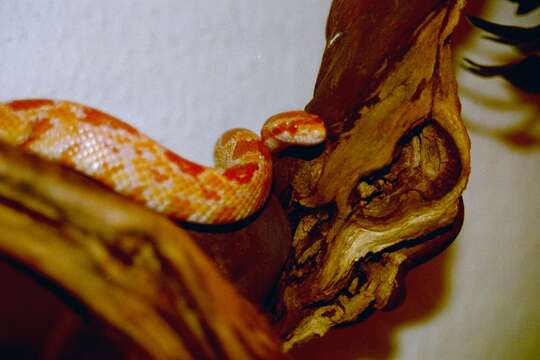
(182, 71)
(185, 71)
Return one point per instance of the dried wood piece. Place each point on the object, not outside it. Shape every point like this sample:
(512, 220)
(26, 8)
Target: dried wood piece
(250, 255)
(138, 273)
(392, 172)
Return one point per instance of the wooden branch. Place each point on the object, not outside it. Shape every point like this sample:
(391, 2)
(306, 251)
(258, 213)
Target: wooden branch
(250, 255)
(392, 172)
(138, 273)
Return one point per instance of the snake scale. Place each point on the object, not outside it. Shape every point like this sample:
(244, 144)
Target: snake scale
(132, 164)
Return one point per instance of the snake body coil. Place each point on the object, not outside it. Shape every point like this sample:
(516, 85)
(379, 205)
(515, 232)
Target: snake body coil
(132, 164)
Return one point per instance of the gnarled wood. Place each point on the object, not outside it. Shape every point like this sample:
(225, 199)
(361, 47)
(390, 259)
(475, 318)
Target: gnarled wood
(136, 271)
(392, 172)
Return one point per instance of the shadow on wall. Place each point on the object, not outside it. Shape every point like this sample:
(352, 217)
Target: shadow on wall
(521, 74)
(523, 135)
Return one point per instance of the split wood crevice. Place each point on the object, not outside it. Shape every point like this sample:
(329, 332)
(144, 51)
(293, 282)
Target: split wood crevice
(343, 226)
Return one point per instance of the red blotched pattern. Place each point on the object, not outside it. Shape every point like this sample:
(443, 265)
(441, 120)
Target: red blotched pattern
(132, 164)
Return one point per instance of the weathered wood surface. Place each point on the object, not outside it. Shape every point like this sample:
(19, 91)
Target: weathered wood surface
(140, 275)
(392, 171)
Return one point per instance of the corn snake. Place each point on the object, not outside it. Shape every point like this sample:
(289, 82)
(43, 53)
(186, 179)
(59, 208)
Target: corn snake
(132, 164)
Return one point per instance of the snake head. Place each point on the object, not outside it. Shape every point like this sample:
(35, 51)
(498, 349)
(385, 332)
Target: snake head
(292, 128)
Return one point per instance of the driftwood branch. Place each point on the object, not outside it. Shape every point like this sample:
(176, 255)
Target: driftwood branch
(138, 273)
(390, 178)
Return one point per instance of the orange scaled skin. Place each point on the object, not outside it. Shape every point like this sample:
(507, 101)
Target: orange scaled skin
(132, 164)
